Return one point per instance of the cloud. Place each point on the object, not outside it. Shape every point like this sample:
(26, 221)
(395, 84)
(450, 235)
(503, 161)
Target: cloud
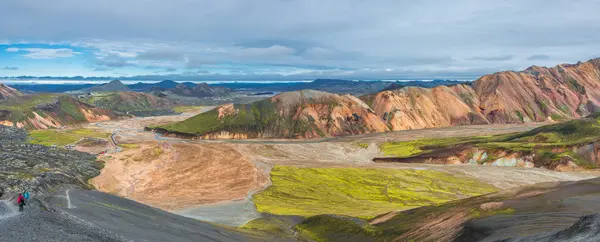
(100, 69)
(493, 58)
(43, 53)
(538, 57)
(171, 55)
(10, 68)
(271, 51)
(111, 61)
(412, 36)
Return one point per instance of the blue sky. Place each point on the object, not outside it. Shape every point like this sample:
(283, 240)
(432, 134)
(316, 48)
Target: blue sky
(293, 39)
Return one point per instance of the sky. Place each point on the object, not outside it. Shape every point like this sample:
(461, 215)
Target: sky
(293, 39)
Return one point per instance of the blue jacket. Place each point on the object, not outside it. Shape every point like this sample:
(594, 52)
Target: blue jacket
(26, 195)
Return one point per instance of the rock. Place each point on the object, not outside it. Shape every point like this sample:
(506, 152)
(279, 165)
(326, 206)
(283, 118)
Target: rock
(37, 168)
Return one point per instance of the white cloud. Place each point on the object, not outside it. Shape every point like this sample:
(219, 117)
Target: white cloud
(272, 51)
(41, 53)
(402, 35)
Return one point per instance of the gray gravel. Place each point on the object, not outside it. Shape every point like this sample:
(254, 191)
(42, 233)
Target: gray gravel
(39, 223)
(86, 215)
(137, 222)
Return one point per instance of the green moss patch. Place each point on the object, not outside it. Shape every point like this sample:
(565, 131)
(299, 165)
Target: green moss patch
(415, 147)
(183, 109)
(61, 138)
(360, 192)
(555, 139)
(336, 228)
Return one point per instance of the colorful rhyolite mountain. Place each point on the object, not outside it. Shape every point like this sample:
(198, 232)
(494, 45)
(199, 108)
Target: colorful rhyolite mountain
(44, 111)
(7, 92)
(536, 94)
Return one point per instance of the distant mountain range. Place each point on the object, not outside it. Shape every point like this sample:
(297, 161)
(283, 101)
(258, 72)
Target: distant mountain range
(166, 84)
(426, 84)
(337, 86)
(537, 94)
(190, 89)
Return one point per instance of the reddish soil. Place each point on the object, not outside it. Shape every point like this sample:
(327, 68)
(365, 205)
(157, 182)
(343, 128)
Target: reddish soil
(175, 176)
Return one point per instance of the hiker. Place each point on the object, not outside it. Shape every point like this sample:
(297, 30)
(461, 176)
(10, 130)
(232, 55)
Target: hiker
(26, 195)
(21, 202)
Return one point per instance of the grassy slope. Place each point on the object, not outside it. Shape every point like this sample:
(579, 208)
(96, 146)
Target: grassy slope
(61, 138)
(257, 117)
(360, 192)
(183, 109)
(22, 107)
(66, 112)
(338, 228)
(540, 141)
(544, 200)
(115, 101)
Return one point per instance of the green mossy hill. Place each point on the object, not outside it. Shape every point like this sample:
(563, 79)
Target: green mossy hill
(63, 109)
(273, 226)
(297, 114)
(360, 192)
(323, 228)
(22, 107)
(62, 138)
(505, 214)
(550, 142)
(250, 118)
(125, 102)
(414, 224)
(257, 119)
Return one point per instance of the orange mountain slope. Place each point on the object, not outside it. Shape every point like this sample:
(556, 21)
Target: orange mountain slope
(536, 94)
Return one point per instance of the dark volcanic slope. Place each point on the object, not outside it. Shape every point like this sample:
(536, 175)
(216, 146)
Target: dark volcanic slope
(134, 221)
(37, 223)
(83, 215)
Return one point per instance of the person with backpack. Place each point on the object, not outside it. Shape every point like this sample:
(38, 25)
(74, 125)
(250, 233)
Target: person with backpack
(26, 195)
(21, 202)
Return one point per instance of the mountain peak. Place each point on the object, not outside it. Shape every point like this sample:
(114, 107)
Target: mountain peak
(112, 86)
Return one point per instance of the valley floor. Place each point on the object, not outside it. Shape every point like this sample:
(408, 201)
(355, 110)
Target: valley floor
(216, 180)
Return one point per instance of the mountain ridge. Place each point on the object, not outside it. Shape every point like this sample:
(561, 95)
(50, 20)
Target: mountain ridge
(112, 86)
(44, 111)
(537, 94)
